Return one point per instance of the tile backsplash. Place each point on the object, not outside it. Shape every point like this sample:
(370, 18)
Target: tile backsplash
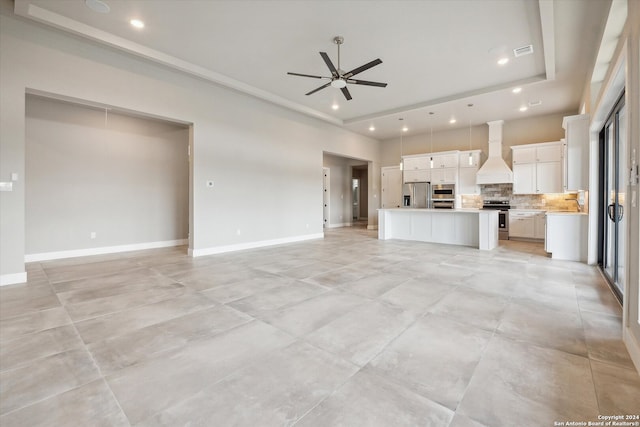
(552, 202)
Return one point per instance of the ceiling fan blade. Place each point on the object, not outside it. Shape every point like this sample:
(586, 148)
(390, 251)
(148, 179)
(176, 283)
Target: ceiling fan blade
(308, 75)
(367, 83)
(346, 93)
(317, 89)
(327, 61)
(363, 68)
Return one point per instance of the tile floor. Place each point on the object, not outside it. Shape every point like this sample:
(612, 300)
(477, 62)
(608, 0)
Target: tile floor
(346, 331)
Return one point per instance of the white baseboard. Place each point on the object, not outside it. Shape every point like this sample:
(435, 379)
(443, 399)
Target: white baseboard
(338, 225)
(633, 347)
(252, 245)
(12, 279)
(45, 256)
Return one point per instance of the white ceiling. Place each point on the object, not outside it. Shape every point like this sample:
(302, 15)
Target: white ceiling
(438, 55)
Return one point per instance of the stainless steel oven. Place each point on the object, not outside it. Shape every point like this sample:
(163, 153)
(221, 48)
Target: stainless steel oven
(443, 196)
(503, 216)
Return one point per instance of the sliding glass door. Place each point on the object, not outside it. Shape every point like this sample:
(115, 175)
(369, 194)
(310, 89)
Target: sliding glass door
(613, 198)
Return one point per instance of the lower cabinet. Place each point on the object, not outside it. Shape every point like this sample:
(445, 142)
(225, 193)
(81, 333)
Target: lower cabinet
(527, 225)
(567, 236)
(541, 225)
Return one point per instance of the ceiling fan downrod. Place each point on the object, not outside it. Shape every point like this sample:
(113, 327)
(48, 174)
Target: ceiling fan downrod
(339, 40)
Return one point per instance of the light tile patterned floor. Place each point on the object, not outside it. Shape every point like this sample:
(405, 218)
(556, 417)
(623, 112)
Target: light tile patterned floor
(347, 330)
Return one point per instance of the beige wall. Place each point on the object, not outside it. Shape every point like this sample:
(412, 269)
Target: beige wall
(125, 178)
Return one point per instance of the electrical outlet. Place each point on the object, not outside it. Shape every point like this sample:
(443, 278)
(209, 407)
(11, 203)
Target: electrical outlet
(238, 232)
(93, 235)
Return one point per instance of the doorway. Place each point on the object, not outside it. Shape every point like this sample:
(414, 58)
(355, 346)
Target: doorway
(613, 182)
(355, 194)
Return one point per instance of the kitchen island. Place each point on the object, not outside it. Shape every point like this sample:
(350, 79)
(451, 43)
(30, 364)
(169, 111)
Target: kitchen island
(467, 227)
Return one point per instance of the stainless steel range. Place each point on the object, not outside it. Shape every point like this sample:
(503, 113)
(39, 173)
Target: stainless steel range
(503, 216)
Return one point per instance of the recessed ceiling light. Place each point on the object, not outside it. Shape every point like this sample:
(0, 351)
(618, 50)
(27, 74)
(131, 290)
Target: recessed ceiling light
(517, 90)
(97, 6)
(335, 106)
(523, 108)
(503, 61)
(137, 23)
(405, 129)
(452, 121)
(372, 128)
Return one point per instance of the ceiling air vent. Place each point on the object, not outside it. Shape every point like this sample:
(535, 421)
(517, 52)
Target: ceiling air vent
(524, 50)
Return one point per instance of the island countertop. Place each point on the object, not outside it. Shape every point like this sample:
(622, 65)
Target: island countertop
(468, 227)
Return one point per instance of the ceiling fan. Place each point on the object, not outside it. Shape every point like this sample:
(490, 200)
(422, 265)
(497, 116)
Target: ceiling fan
(339, 78)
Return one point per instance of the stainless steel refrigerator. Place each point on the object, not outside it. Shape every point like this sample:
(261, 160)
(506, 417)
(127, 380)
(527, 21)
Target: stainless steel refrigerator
(417, 195)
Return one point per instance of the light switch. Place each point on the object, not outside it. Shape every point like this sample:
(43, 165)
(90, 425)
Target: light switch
(14, 176)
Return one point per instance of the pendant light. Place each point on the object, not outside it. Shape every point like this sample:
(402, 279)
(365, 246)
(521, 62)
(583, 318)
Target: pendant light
(431, 131)
(401, 161)
(470, 155)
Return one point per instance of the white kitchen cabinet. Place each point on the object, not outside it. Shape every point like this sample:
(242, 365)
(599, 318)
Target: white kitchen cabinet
(522, 224)
(537, 168)
(391, 187)
(463, 159)
(467, 181)
(524, 178)
(420, 175)
(548, 177)
(444, 175)
(576, 152)
(523, 154)
(416, 168)
(526, 224)
(416, 162)
(567, 235)
(467, 172)
(445, 160)
(540, 225)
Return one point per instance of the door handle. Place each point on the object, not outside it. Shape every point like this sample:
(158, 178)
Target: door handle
(611, 212)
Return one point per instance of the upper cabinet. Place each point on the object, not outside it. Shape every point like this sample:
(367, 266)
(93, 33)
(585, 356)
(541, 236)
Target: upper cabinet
(416, 169)
(438, 168)
(468, 163)
(537, 168)
(576, 156)
(445, 160)
(415, 163)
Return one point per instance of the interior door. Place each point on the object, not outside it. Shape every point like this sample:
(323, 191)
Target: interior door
(614, 185)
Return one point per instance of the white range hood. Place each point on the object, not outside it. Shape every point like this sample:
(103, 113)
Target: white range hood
(495, 169)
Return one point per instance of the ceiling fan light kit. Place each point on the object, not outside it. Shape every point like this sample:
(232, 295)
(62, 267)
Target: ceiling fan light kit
(339, 78)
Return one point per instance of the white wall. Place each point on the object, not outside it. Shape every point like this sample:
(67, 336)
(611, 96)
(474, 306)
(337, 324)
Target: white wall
(124, 178)
(514, 132)
(265, 161)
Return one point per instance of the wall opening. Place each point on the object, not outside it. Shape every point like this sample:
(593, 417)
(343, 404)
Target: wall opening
(99, 180)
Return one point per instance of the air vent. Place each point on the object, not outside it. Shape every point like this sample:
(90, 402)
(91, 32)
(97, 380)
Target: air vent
(524, 50)
(534, 103)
